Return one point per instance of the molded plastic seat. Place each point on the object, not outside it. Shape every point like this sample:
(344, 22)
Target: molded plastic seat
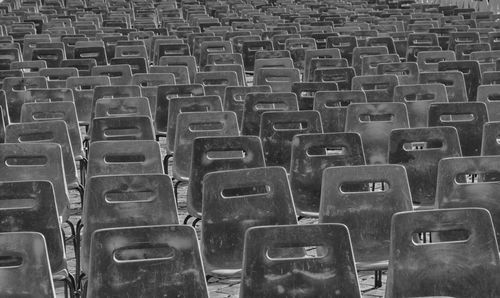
(191, 125)
(369, 63)
(129, 200)
(55, 131)
(126, 157)
(324, 63)
(486, 59)
(419, 150)
(83, 91)
(187, 61)
(378, 88)
(465, 268)
(345, 44)
(50, 111)
(305, 92)
(33, 206)
(406, 72)
(118, 74)
(455, 191)
(166, 256)
(234, 99)
(51, 56)
(490, 145)
(16, 91)
(360, 52)
(490, 94)
(428, 60)
(346, 199)
(299, 274)
(310, 155)
(207, 103)
(374, 122)
(467, 117)
(256, 103)
(298, 48)
(418, 99)
(212, 154)
(122, 106)
(250, 47)
(236, 68)
(84, 66)
(471, 71)
(215, 83)
(453, 80)
(277, 130)
(329, 53)
(280, 79)
(121, 128)
(30, 250)
(461, 38)
(36, 161)
(234, 201)
(115, 91)
(56, 77)
(165, 93)
(332, 106)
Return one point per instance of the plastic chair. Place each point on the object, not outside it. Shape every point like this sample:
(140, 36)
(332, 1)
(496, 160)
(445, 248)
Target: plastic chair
(280, 79)
(248, 51)
(323, 63)
(118, 74)
(298, 48)
(211, 154)
(332, 106)
(406, 72)
(256, 103)
(486, 59)
(165, 93)
(345, 44)
(187, 61)
(305, 92)
(27, 252)
(374, 122)
(369, 63)
(167, 256)
(471, 71)
(418, 98)
(467, 117)
(36, 161)
(207, 103)
(126, 157)
(457, 267)
(234, 99)
(84, 66)
(419, 150)
(16, 93)
(428, 60)
(310, 155)
(122, 106)
(277, 130)
(115, 91)
(337, 263)
(125, 200)
(346, 198)
(360, 52)
(489, 94)
(377, 88)
(453, 80)
(121, 128)
(215, 83)
(319, 53)
(31, 206)
(198, 124)
(56, 77)
(489, 145)
(234, 201)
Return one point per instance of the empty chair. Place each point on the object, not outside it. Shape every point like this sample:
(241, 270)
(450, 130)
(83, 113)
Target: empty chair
(378, 88)
(234, 99)
(331, 274)
(277, 130)
(471, 71)
(317, 63)
(346, 198)
(490, 95)
(112, 158)
(490, 145)
(453, 80)
(121, 128)
(167, 257)
(342, 76)
(215, 83)
(16, 90)
(234, 201)
(122, 106)
(455, 190)
(406, 72)
(126, 200)
(374, 122)
(36, 161)
(115, 91)
(345, 44)
(360, 52)
(418, 99)
(330, 53)
(256, 103)
(191, 125)
(486, 59)
(467, 117)
(280, 79)
(118, 74)
(305, 92)
(332, 106)
(419, 150)
(452, 266)
(56, 77)
(370, 63)
(313, 153)
(29, 251)
(428, 60)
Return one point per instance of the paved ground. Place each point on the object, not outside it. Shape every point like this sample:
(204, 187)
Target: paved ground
(218, 288)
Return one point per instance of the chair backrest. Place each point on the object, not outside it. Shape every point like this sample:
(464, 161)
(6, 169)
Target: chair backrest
(370, 63)
(406, 72)
(234, 201)
(215, 82)
(167, 257)
(313, 153)
(234, 99)
(46, 132)
(360, 52)
(374, 122)
(191, 125)
(2, 126)
(118, 74)
(490, 95)
(212, 154)
(305, 92)
(36, 161)
(131, 200)
(428, 60)
(30, 206)
(471, 72)
(330, 53)
(378, 88)
(467, 117)
(336, 262)
(16, 90)
(364, 198)
(457, 267)
(256, 103)
(280, 79)
(342, 76)
(453, 80)
(122, 106)
(345, 44)
(121, 128)
(115, 91)
(28, 252)
(419, 150)
(456, 190)
(277, 130)
(126, 157)
(332, 106)
(490, 145)
(83, 91)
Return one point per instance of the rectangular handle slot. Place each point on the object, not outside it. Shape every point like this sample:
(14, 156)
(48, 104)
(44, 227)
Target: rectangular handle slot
(11, 261)
(19, 161)
(48, 116)
(143, 252)
(287, 126)
(206, 126)
(424, 145)
(121, 132)
(441, 236)
(246, 191)
(364, 186)
(477, 177)
(124, 158)
(457, 117)
(420, 97)
(36, 137)
(296, 251)
(226, 154)
(129, 196)
(326, 151)
(376, 117)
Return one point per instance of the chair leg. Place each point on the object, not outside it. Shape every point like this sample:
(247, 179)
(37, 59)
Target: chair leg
(187, 219)
(176, 190)
(83, 170)
(81, 191)
(165, 163)
(378, 279)
(195, 222)
(79, 227)
(69, 283)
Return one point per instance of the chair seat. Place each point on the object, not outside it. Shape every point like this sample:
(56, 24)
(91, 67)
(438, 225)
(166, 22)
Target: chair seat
(372, 266)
